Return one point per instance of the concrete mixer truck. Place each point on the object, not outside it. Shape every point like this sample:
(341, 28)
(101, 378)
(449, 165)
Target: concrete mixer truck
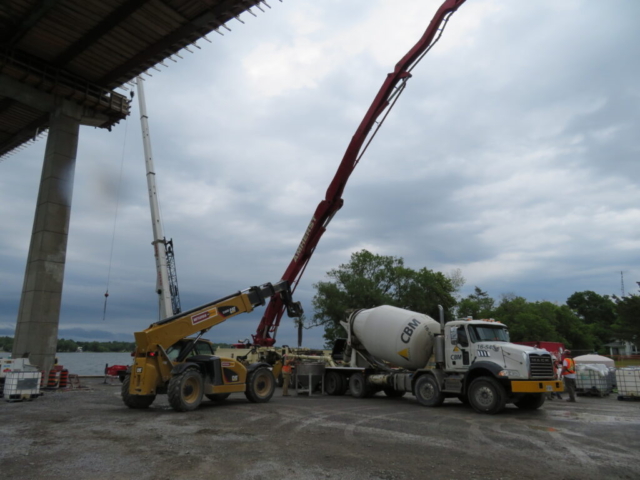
(399, 351)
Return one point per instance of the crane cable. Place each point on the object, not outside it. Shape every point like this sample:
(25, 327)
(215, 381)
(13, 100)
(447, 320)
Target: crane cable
(115, 218)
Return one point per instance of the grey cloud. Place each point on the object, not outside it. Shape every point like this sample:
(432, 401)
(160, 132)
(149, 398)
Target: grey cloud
(515, 137)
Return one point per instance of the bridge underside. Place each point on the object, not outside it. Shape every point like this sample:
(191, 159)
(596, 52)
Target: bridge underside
(60, 63)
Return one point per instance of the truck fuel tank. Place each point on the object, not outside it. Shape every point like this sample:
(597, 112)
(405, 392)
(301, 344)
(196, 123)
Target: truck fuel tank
(400, 337)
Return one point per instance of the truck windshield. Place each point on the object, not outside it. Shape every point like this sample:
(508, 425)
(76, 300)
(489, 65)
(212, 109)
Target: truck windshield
(489, 334)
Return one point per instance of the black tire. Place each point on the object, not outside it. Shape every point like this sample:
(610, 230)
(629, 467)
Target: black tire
(217, 397)
(428, 391)
(186, 390)
(487, 395)
(135, 401)
(344, 388)
(358, 386)
(392, 393)
(260, 385)
(531, 401)
(335, 383)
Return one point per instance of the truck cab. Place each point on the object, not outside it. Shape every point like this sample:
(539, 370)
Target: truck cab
(491, 370)
(472, 340)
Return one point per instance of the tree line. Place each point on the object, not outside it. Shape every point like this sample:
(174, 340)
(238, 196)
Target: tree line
(587, 321)
(64, 345)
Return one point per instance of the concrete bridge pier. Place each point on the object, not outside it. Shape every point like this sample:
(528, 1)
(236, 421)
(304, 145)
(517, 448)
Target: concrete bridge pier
(37, 326)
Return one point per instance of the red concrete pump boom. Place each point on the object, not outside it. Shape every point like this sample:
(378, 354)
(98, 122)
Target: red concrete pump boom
(384, 101)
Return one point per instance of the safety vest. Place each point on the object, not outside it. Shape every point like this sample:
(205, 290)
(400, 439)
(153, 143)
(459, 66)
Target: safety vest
(286, 369)
(569, 369)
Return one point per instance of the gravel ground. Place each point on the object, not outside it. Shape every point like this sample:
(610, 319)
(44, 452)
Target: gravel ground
(90, 434)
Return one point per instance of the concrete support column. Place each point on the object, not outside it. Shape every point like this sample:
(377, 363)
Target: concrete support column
(38, 316)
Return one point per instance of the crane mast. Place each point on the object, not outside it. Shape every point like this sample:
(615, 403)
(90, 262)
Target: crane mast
(167, 280)
(388, 94)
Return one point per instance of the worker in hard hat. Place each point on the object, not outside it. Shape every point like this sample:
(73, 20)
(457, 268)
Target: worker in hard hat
(286, 375)
(569, 375)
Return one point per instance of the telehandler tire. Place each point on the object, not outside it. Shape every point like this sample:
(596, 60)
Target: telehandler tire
(428, 391)
(487, 395)
(531, 401)
(217, 397)
(135, 401)
(185, 390)
(260, 385)
(358, 386)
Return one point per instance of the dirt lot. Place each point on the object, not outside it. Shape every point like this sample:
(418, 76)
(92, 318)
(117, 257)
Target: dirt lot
(90, 434)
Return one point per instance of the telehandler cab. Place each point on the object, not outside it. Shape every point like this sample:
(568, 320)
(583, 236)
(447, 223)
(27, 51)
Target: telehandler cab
(186, 369)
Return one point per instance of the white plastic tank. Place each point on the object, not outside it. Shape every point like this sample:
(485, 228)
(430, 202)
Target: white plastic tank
(401, 337)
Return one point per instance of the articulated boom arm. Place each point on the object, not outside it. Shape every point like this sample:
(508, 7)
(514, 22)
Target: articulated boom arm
(166, 332)
(384, 101)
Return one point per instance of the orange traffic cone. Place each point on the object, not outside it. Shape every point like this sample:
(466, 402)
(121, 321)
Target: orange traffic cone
(53, 379)
(64, 378)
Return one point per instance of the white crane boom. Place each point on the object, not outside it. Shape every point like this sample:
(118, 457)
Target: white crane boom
(162, 283)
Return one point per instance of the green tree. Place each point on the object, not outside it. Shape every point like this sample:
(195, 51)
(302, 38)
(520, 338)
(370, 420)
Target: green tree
(526, 321)
(369, 280)
(598, 312)
(477, 305)
(627, 326)
(572, 330)
(66, 345)
(532, 321)
(6, 344)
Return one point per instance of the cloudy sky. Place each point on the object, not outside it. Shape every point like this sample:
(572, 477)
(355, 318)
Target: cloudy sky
(512, 156)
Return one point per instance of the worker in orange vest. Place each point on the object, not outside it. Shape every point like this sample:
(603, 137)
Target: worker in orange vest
(286, 375)
(569, 375)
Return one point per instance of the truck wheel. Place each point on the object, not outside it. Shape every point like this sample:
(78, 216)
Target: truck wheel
(185, 390)
(358, 386)
(217, 397)
(486, 395)
(260, 385)
(428, 392)
(392, 393)
(531, 401)
(135, 401)
(335, 384)
(344, 385)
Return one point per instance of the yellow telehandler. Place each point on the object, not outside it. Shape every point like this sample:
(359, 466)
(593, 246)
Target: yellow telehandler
(168, 361)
